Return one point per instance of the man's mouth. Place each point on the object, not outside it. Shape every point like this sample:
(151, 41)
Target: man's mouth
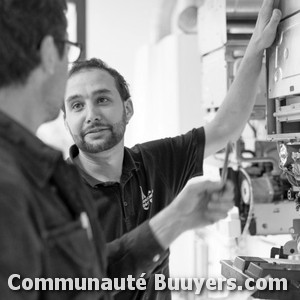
(95, 130)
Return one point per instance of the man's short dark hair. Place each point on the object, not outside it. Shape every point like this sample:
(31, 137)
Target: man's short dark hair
(98, 64)
(23, 25)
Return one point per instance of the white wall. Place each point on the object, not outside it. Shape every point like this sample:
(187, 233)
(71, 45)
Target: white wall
(116, 29)
(167, 88)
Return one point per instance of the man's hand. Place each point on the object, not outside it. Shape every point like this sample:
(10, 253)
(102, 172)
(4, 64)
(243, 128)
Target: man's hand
(203, 203)
(266, 26)
(199, 204)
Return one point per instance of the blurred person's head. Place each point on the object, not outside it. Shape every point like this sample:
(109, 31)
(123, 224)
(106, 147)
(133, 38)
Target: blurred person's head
(23, 27)
(33, 52)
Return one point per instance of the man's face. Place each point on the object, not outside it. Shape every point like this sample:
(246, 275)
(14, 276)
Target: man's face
(54, 90)
(95, 113)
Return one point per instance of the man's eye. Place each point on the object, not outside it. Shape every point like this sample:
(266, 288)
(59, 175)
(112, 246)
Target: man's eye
(102, 100)
(76, 106)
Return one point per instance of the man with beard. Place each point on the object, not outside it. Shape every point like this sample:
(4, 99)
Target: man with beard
(141, 181)
(48, 226)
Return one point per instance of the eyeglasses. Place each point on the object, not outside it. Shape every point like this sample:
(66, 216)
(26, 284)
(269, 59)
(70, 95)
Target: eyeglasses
(74, 50)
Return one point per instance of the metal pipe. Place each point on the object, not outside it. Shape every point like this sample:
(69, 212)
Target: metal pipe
(243, 8)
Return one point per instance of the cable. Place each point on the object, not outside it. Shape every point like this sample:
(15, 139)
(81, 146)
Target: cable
(251, 203)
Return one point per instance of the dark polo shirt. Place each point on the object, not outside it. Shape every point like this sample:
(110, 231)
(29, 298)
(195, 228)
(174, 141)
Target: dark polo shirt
(153, 175)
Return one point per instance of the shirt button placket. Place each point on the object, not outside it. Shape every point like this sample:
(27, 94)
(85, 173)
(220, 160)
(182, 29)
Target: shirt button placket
(125, 207)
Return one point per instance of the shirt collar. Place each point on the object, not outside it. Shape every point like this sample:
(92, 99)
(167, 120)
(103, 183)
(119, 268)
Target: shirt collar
(38, 159)
(129, 165)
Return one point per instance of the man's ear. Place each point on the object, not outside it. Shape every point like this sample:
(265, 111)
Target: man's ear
(128, 109)
(49, 54)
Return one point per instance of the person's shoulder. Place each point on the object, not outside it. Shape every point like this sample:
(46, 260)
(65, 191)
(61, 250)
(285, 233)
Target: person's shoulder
(147, 146)
(139, 151)
(11, 172)
(15, 193)
(8, 160)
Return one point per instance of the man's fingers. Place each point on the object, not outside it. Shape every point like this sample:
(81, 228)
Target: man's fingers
(229, 187)
(215, 216)
(221, 198)
(268, 15)
(212, 187)
(215, 187)
(266, 12)
(271, 27)
(225, 194)
(267, 22)
(218, 210)
(220, 206)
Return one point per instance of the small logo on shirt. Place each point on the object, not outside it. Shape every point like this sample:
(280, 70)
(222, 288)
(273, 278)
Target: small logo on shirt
(146, 199)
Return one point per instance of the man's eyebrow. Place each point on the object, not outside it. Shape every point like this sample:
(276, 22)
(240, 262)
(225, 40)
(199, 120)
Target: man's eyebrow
(102, 91)
(73, 97)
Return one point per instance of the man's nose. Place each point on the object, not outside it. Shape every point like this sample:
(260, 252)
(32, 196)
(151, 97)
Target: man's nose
(92, 114)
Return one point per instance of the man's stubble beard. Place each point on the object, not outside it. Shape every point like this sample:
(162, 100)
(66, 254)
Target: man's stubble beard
(116, 134)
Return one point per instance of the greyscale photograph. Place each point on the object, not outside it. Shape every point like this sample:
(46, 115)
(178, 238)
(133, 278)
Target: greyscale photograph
(149, 149)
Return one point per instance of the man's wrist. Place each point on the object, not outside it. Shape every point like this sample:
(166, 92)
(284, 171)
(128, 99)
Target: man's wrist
(167, 225)
(254, 50)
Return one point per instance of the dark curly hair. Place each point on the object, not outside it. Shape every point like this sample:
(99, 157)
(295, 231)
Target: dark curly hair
(23, 25)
